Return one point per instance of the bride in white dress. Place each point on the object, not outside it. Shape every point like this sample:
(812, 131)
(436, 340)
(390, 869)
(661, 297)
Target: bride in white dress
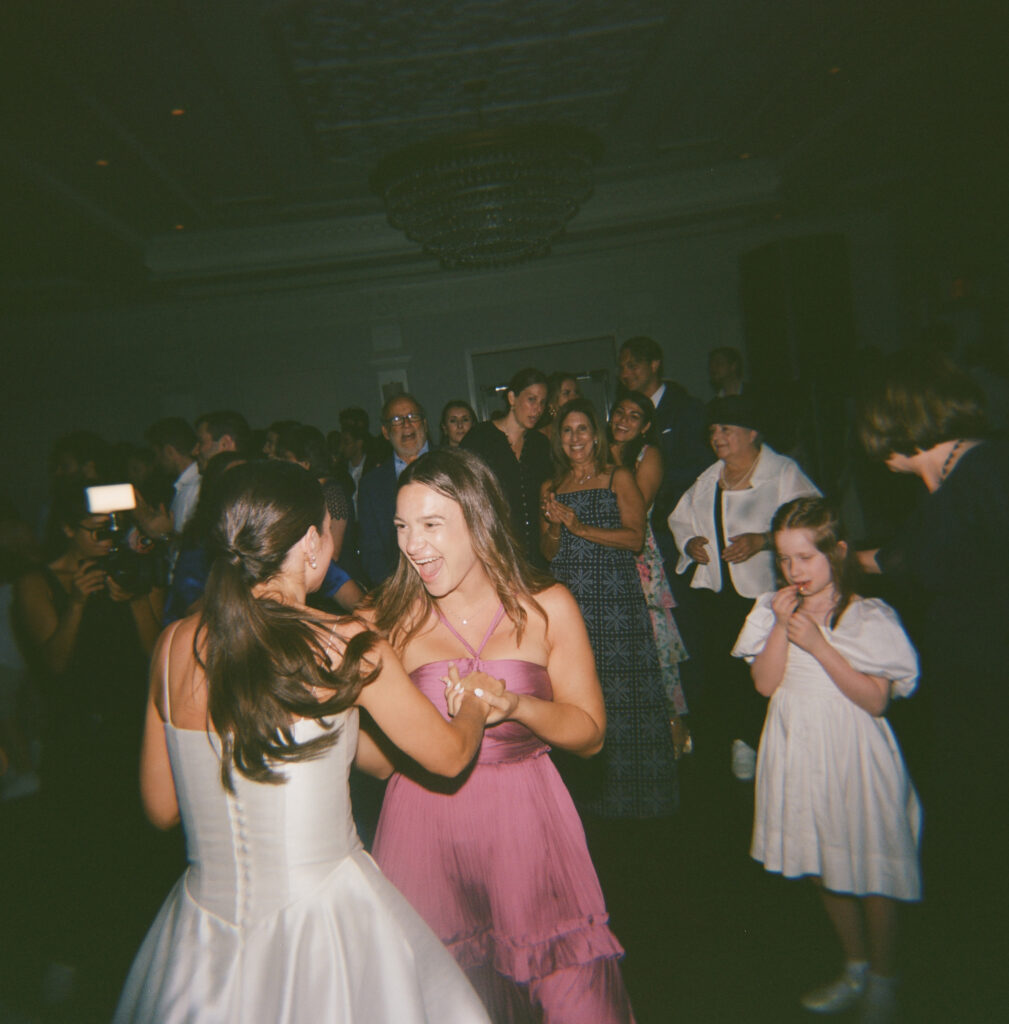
(251, 729)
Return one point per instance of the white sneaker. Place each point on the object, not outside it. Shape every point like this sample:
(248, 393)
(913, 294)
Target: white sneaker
(839, 995)
(879, 1004)
(744, 761)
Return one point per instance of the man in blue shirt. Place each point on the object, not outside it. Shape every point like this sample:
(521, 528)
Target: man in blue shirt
(404, 426)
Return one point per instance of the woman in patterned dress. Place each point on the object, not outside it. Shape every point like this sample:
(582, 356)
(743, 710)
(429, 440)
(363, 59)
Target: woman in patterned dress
(593, 524)
(630, 427)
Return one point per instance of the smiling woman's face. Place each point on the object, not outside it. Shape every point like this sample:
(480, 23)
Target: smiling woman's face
(730, 442)
(578, 438)
(627, 421)
(432, 532)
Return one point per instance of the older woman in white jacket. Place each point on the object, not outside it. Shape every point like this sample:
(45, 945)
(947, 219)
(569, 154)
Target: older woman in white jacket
(722, 529)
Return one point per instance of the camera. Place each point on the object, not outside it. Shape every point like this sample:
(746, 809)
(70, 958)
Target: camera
(136, 571)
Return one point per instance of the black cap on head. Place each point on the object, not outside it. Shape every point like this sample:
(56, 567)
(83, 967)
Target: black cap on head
(735, 410)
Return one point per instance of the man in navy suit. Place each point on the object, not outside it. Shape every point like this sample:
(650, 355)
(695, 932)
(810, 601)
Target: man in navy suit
(404, 425)
(679, 430)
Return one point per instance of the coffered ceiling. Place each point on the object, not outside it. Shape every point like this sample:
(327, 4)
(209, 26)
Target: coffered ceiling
(154, 143)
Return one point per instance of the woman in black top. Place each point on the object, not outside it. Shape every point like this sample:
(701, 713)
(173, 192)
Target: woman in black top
(518, 455)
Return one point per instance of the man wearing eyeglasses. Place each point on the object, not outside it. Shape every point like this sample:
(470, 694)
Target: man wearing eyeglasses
(404, 426)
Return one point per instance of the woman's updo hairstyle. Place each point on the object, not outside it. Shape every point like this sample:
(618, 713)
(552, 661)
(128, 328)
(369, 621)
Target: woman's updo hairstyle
(263, 658)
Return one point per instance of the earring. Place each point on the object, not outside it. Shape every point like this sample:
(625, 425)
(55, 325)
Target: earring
(312, 562)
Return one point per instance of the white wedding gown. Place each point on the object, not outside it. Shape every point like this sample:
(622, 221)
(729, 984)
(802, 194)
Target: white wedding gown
(282, 917)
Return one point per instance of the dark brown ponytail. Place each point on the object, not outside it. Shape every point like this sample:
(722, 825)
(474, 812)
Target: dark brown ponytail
(263, 658)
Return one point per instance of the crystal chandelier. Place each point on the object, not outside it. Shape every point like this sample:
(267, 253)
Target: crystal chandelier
(490, 197)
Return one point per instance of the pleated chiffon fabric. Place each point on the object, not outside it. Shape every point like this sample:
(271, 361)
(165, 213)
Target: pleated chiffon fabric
(282, 917)
(497, 864)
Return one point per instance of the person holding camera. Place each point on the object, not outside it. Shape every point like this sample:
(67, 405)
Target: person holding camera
(76, 613)
(87, 631)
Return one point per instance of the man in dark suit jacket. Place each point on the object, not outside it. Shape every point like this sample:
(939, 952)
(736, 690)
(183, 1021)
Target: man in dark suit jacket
(404, 425)
(679, 430)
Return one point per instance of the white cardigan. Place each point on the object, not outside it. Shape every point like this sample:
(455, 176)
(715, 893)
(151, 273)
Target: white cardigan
(776, 479)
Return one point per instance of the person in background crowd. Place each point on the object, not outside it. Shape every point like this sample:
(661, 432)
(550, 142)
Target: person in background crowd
(518, 455)
(221, 431)
(142, 471)
(357, 455)
(273, 431)
(378, 449)
(88, 635)
(678, 430)
(561, 388)
(722, 528)
(173, 441)
(18, 553)
(593, 526)
(725, 371)
(404, 425)
(81, 455)
(630, 432)
(926, 419)
(497, 862)
(457, 420)
(192, 566)
(307, 447)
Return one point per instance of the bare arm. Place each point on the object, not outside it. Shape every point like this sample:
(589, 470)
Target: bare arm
(412, 723)
(648, 474)
(768, 667)
(55, 635)
(867, 562)
(157, 787)
(371, 758)
(349, 596)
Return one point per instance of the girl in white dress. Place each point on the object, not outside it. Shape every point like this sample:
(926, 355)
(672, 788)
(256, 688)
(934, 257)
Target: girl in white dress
(833, 800)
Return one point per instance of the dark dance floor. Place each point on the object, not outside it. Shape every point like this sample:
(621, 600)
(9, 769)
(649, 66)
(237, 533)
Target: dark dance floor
(710, 937)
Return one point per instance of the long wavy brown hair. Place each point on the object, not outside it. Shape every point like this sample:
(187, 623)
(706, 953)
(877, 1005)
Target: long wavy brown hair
(403, 605)
(263, 658)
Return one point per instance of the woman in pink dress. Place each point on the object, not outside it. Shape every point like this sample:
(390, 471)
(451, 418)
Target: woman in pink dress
(496, 861)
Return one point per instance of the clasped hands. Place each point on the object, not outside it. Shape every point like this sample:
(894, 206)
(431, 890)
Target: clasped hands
(739, 549)
(800, 626)
(491, 691)
(558, 513)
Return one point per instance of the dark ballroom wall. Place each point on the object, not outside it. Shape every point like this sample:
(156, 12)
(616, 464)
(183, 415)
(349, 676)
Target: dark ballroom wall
(307, 349)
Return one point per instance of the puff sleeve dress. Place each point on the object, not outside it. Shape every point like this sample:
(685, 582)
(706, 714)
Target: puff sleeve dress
(833, 795)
